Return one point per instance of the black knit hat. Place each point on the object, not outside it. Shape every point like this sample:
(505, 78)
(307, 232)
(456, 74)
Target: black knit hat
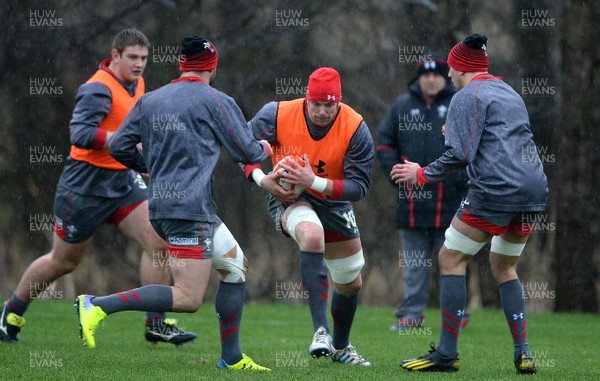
(432, 63)
(197, 54)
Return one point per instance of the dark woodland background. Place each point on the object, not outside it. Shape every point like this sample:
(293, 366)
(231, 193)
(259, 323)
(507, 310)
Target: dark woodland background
(547, 50)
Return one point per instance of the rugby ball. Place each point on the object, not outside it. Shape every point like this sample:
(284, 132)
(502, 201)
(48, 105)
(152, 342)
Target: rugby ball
(287, 186)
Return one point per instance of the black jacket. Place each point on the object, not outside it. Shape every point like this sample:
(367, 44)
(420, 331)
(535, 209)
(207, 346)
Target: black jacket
(412, 130)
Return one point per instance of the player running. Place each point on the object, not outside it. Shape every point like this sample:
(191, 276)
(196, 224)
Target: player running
(94, 189)
(182, 127)
(335, 153)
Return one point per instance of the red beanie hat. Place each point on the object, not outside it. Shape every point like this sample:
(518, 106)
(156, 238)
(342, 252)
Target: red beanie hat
(324, 85)
(470, 55)
(197, 54)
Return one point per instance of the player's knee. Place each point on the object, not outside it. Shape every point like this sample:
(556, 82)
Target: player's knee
(228, 257)
(310, 237)
(345, 271)
(350, 289)
(65, 264)
(191, 304)
(305, 227)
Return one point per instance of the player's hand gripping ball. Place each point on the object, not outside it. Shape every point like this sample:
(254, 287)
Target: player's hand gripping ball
(287, 186)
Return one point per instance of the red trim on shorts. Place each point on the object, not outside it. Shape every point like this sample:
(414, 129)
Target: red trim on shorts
(521, 229)
(62, 232)
(333, 237)
(119, 215)
(482, 224)
(193, 252)
(438, 206)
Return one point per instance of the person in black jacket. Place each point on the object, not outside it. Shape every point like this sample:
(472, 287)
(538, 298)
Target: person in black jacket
(412, 131)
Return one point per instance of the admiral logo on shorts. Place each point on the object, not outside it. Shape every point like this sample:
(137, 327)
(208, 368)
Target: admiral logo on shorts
(181, 241)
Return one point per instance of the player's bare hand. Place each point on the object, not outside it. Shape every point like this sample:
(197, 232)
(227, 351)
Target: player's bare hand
(270, 184)
(298, 173)
(444, 129)
(405, 173)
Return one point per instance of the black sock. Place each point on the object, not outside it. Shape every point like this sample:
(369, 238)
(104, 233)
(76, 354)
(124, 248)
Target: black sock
(153, 297)
(513, 304)
(229, 304)
(343, 309)
(453, 297)
(314, 279)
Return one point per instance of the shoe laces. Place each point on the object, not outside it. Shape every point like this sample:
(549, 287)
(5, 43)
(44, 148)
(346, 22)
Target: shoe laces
(321, 336)
(350, 351)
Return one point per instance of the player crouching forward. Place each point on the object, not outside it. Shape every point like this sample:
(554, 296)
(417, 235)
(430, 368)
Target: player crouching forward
(334, 142)
(184, 159)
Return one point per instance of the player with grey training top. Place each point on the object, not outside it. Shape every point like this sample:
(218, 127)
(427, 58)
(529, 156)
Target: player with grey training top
(180, 156)
(487, 130)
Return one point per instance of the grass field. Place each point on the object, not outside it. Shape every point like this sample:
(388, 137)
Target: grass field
(565, 346)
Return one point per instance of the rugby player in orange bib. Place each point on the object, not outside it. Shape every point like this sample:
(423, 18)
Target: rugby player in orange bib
(95, 189)
(326, 147)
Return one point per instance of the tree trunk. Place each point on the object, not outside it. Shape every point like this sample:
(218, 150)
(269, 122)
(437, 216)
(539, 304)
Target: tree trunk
(577, 209)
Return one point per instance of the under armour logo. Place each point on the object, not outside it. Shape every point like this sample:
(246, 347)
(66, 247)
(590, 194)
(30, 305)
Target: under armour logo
(331, 97)
(460, 313)
(518, 316)
(484, 49)
(320, 166)
(207, 45)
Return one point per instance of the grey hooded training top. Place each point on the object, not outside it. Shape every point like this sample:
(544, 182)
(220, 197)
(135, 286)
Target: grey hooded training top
(182, 127)
(487, 131)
